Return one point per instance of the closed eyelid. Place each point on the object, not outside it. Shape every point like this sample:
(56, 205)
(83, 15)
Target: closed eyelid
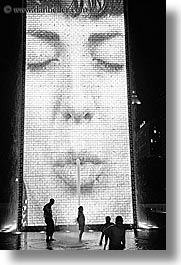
(40, 65)
(98, 38)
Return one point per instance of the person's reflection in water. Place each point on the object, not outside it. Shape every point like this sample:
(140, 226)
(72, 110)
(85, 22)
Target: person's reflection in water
(49, 245)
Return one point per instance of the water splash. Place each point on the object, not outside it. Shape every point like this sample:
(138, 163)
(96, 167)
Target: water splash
(9, 228)
(147, 225)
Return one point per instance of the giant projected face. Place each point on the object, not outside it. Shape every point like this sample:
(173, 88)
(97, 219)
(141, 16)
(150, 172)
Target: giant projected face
(76, 108)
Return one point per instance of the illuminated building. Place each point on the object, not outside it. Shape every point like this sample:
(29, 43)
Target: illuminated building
(77, 103)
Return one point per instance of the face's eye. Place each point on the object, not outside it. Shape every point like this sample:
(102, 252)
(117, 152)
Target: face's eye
(39, 54)
(40, 66)
(110, 54)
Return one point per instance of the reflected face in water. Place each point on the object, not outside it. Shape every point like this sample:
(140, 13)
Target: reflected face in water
(75, 104)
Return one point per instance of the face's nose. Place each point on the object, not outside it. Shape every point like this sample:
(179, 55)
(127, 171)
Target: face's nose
(78, 107)
(78, 116)
(78, 100)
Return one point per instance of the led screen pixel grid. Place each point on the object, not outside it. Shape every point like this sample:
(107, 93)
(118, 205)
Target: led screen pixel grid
(76, 107)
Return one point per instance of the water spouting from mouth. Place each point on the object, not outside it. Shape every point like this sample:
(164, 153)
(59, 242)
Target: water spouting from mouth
(78, 180)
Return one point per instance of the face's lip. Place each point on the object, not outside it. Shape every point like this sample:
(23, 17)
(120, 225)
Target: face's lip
(70, 158)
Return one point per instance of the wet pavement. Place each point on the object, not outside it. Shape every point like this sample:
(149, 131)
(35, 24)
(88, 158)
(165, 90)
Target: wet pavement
(140, 239)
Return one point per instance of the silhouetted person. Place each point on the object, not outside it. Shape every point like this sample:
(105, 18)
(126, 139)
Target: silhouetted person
(105, 227)
(81, 222)
(49, 220)
(116, 235)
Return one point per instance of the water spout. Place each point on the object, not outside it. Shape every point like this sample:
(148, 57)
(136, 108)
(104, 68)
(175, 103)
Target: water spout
(78, 180)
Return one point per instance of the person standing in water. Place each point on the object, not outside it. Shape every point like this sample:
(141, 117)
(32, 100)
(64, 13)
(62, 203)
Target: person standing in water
(105, 227)
(81, 222)
(49, 220)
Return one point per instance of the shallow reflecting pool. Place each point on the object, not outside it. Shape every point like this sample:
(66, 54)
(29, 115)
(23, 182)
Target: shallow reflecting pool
(140, 239)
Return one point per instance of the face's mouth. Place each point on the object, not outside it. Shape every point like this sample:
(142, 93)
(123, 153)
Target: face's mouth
(71, 159)
(90, 169)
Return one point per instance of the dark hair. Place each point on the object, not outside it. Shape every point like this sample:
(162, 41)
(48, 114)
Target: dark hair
(94, 8)
(108, 218)
(119, 219)
(80, 208)
(52, 201)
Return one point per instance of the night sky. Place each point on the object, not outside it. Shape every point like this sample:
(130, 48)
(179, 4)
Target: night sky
(148, 49)
(147, 37)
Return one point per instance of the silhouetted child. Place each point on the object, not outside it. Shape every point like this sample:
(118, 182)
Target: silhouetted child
(105, 227)
(81, 222)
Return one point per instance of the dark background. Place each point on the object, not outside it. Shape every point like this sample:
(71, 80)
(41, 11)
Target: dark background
(147, 33)
(147, 28)
(11, 39)
(147, 51)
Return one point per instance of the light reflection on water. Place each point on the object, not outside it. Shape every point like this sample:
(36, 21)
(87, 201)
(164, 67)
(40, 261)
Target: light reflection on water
(135, 240)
